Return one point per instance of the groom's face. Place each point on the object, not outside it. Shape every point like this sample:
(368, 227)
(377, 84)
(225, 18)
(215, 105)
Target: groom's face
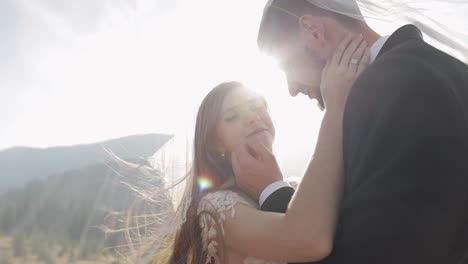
(303, 57)
(303, 73)
(304, 60)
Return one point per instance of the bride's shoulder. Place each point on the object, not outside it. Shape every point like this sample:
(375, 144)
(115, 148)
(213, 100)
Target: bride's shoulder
(223, 200)
(214, 209)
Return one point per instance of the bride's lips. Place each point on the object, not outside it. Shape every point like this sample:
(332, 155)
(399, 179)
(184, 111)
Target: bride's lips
(257, 131)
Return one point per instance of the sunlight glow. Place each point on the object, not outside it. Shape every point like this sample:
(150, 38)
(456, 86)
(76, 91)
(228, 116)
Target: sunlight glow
(205, 182)
(145, 69)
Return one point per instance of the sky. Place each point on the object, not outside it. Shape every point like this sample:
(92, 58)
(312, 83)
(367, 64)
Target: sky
(75, 72)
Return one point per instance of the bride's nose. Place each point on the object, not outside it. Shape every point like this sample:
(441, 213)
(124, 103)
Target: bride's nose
(251, 118)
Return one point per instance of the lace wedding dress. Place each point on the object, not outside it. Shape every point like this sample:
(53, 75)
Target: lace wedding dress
(221, 204)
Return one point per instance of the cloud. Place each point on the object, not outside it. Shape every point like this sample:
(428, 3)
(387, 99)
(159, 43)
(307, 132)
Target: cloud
(40, 38)
(32, 31)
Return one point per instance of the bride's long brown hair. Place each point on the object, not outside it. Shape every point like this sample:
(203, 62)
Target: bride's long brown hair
(151, 237)
(207, 162)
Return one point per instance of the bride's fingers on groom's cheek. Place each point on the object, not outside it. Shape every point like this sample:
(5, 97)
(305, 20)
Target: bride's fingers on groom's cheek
(364, 61)
(338, 54)
(356, 58)
(351, 49)
(360, 51)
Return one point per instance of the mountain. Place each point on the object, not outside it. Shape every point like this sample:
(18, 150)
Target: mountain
(74, 209)
(21, 165)
(80, 209)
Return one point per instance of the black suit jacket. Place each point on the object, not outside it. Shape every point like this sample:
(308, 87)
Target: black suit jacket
(405, 144)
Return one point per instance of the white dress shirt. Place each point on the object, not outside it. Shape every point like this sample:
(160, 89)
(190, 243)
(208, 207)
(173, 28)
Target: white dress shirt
(374, 51)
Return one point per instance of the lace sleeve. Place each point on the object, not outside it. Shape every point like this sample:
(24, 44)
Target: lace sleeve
(212, 211)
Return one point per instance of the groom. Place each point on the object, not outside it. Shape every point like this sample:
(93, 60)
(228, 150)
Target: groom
(405, 136)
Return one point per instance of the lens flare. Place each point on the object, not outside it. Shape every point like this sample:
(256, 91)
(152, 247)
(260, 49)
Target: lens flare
(205, 182)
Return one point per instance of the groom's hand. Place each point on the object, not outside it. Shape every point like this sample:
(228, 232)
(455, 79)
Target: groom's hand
(255, 167)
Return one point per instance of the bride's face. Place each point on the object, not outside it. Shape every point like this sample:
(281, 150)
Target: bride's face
(244, 115)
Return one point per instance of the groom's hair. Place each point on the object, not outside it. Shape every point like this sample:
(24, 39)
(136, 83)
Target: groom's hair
(280, 27)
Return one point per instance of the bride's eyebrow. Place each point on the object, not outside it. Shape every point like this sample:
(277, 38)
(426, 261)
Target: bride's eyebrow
(234, 107)
(231, 108)
(227, 111)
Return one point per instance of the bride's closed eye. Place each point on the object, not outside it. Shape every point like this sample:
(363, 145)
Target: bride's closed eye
(230, 117)
(255, 105)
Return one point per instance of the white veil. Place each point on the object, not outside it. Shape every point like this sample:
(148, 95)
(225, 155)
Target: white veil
(420, 13)
(430, 16)
(398, 11)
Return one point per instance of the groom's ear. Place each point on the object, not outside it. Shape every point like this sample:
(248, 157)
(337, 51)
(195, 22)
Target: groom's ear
(312, 27)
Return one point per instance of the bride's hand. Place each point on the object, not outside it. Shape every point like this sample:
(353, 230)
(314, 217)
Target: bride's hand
(348, 61)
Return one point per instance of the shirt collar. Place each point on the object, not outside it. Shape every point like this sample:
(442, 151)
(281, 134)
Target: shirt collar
(376, 47)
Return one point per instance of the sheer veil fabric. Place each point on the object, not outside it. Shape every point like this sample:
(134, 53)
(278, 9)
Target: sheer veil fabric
(418, 13)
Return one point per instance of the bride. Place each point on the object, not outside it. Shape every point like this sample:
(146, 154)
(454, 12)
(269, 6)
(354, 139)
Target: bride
(223, 225)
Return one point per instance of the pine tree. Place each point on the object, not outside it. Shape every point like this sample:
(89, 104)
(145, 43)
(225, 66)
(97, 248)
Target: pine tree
(18, 245)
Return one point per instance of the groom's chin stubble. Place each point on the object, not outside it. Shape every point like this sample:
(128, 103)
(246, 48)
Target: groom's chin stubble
(318, 96)
(320, 105)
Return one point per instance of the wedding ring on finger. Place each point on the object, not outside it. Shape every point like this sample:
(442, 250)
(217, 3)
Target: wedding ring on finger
(354, 61)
